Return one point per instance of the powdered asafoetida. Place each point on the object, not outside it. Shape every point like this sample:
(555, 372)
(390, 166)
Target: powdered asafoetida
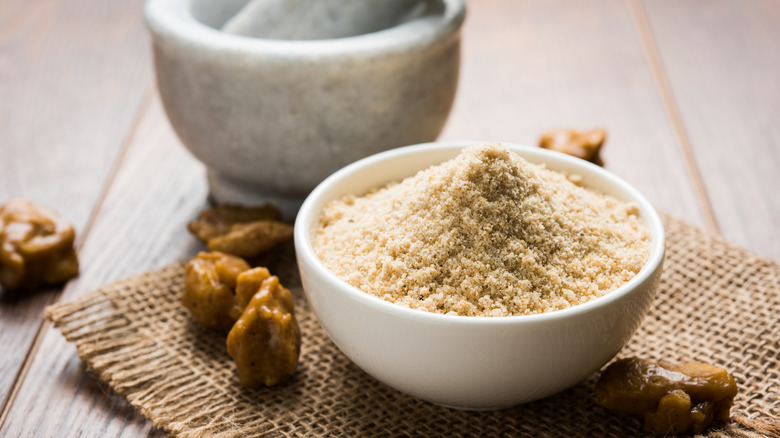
(484, 234)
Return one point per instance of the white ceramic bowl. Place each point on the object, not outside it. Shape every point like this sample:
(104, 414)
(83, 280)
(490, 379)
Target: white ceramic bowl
(472, 362)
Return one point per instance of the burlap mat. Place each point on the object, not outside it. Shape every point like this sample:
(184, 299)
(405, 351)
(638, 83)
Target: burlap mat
(717, 304)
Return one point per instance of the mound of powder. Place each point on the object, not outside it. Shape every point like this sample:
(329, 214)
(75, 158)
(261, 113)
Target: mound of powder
(484, 234)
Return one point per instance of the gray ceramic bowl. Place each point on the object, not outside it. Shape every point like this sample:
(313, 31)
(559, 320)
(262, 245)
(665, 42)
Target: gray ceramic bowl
(270, 118)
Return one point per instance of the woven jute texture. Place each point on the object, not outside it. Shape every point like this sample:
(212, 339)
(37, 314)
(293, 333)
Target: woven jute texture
(717, 304)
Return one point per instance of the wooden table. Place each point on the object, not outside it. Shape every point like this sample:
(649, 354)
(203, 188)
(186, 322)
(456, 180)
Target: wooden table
(688, 91)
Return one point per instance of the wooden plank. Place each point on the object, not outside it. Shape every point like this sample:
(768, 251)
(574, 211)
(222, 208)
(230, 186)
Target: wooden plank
(141, 226)
(72, 78)
(722, 60)
(568, 66)
(530, 66)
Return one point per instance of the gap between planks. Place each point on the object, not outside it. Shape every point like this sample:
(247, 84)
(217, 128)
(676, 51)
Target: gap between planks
(143, 109)
(650, 48)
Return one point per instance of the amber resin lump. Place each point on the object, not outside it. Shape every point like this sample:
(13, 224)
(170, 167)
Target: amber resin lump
(251, 239)
(217, 221)
(241, 231)
(265, 341)
(672, 398)
(248, 284)
(36, 246)
(581, 144)
(223, 292)
(209, 292)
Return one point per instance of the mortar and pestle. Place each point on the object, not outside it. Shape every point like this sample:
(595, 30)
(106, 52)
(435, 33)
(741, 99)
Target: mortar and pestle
(275, 95)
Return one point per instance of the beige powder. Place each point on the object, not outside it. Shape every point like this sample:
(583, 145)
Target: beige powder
(484, 234)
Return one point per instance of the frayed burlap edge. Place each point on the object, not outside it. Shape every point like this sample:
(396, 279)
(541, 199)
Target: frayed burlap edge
(717, 303)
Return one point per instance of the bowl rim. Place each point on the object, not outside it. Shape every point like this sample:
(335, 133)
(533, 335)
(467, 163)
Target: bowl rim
(305, 221)
(173, 20)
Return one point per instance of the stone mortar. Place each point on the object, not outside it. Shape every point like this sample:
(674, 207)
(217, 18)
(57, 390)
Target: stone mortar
(272, 109)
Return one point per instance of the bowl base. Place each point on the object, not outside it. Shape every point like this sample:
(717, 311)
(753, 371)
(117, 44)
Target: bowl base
(227, 191)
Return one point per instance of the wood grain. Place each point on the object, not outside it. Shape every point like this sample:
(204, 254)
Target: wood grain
(530, 66)
(722, 59)
(141, 226)
(72, 77)
(568, 82)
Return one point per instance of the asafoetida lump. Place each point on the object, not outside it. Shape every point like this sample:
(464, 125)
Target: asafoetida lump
(483, 234)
